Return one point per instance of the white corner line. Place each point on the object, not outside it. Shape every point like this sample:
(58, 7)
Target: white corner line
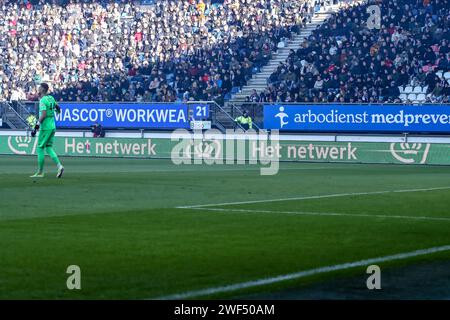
(336, 195)
(301, 274)
(325, 214)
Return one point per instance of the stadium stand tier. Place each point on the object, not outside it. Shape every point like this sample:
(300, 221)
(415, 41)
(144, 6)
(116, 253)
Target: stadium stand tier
(169, 51)
(405, 60)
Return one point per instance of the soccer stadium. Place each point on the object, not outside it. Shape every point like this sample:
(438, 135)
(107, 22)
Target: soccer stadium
(225, 150)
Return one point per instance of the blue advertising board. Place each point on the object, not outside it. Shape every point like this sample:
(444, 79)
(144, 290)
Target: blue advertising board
(124, 115)
(357, 118)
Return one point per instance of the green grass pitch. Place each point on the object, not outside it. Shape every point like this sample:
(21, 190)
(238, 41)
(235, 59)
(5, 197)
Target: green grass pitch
(118, 220)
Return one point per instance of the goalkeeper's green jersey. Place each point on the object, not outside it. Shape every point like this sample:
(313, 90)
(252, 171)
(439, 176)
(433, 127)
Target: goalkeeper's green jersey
(48, 103)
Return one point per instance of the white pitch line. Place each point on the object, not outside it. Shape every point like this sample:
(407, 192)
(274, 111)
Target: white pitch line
(300, 274)
(336, 195)
(324, 214)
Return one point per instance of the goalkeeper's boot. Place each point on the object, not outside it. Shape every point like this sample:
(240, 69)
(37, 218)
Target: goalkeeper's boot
(60, 171)
(37, 175)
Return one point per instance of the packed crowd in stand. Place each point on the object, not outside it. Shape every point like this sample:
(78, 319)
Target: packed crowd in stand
(344, 61)
(123, 51)
(182, 50)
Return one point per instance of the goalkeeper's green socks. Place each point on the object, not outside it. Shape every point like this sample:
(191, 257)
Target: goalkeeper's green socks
(41, 159)
(54, 156)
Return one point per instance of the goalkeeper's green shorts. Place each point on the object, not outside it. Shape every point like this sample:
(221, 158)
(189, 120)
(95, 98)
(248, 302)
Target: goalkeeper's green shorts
(46, 138)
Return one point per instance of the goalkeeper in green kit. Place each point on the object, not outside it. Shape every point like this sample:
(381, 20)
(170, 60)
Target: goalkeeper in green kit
(47, 128)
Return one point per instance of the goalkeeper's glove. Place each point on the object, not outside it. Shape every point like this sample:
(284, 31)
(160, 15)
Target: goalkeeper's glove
(36, 128)
(58, 108)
